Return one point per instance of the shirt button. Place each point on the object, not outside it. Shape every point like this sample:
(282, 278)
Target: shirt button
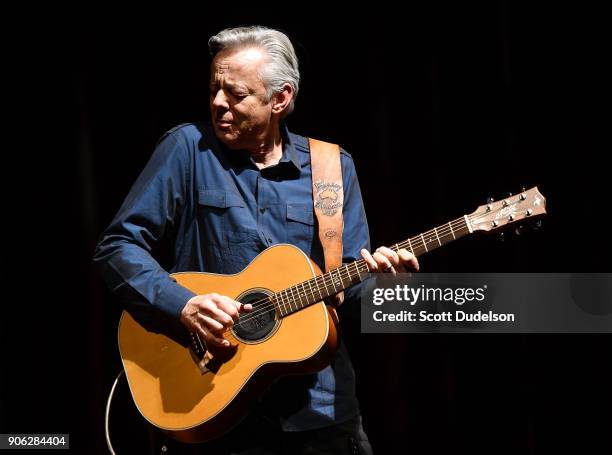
(270, 240)
(262, 209)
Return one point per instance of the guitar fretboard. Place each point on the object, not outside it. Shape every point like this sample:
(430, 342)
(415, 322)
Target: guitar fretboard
(304, 294)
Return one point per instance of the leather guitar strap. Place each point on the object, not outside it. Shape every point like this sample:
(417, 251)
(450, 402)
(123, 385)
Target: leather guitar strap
(328, 198)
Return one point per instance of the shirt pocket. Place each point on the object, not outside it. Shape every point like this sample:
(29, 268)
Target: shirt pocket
(300, 225)
(244, 244)
(218, 211)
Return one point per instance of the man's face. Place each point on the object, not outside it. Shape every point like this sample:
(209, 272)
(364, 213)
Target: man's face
(240, 113)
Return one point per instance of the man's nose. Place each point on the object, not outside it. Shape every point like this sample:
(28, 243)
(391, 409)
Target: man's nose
(220, 100)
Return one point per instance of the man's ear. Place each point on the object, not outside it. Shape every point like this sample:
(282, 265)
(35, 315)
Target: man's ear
(280, 100)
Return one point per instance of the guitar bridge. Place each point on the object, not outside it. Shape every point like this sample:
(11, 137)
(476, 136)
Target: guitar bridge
(206, 361)
(197, 346)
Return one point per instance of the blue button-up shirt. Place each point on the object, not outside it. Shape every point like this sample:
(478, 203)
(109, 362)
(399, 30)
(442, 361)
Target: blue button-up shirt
(220, 211)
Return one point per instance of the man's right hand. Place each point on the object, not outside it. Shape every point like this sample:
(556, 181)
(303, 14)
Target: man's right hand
(210, 315)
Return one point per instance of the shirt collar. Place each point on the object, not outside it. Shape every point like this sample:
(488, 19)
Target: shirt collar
(289, 152)
(288, 166)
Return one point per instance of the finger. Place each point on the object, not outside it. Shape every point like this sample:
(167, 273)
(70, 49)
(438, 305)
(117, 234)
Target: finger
(228, 306)
(396, 259)
(210, 324)
(389, 254)
(383, 263)
(372, 265)
(409, 260)
(213, 311)
(212, 339)
(245, 308)
(242, 307)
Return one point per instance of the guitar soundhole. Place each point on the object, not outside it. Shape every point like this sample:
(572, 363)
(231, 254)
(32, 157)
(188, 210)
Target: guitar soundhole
(260, 322)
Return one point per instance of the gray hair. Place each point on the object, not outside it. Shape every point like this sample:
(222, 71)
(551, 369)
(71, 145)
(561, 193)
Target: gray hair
(282, 65)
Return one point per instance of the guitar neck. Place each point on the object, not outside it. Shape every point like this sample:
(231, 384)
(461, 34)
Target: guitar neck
(318, 288)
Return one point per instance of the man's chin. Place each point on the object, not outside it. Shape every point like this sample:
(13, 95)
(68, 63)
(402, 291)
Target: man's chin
(228, 138)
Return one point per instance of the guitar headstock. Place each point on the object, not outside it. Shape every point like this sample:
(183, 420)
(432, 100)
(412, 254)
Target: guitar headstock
(526, 205)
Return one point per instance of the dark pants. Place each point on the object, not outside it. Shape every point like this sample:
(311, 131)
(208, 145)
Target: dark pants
(259, 437)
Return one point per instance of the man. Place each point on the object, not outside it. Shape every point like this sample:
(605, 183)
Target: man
(222, 192)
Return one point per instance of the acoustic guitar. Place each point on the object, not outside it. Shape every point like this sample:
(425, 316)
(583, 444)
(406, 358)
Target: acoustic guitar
(195, 393)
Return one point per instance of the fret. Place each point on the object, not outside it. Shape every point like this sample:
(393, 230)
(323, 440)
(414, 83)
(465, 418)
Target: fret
(327, 290)
(286, 302)
(297, 298)
(316, 288)
(357, 269)
(430, 239)
(301, 297)
(305, 295)
(437, 236)
(339, 280)
(410, 245)
(333, 281)
(367, 269)
(451, 229)
(275, 305)
(312, 291)
(344, 277)
(279, 305)
(319, 289)
(335, 276)
(292, 298)
(349, 275)
(424, 244)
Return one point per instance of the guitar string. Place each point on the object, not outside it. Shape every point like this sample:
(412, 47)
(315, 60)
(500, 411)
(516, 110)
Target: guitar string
(343, 272)
(265, 305)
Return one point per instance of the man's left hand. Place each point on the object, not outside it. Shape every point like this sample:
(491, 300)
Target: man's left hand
(385, 260)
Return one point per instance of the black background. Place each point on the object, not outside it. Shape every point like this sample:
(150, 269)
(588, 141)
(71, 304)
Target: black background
(440, 106)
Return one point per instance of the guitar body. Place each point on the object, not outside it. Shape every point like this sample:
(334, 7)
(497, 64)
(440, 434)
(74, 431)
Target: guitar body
(192, 404)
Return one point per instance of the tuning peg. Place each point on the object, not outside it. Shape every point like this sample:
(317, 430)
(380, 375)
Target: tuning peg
(518, 230)
(537, 225)
(523, 188)
(501, 237)
(509, 194)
